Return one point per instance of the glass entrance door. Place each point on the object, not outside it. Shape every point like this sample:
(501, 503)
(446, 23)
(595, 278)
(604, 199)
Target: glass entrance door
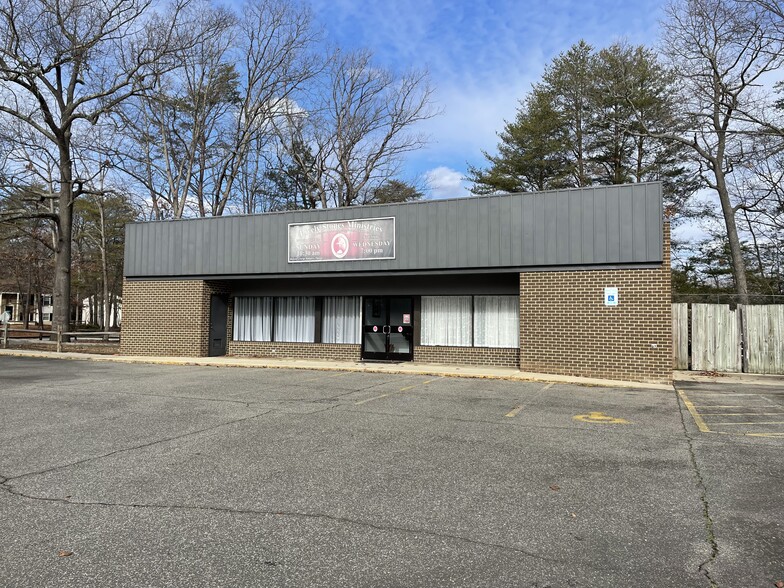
(388, 328)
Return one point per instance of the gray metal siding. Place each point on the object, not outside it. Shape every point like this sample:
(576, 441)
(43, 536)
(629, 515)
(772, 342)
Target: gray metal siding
(591, 226)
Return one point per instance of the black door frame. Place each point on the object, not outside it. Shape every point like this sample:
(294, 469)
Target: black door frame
(406, 330)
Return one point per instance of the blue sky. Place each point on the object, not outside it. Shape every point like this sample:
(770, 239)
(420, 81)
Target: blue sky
(482, 55)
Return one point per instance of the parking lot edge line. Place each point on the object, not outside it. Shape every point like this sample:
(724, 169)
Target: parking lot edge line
(694, 414)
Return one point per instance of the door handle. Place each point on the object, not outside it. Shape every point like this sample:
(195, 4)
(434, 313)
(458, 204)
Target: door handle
(386, 329)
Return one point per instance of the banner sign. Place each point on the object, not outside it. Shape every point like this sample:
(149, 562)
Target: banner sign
(342, 240)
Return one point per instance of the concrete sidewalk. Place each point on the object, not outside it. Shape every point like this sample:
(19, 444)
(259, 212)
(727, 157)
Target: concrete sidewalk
(774, 380)
(486, 372)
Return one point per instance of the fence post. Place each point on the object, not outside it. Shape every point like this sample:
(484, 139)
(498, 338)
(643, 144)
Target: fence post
(59, 338)
(5, 335)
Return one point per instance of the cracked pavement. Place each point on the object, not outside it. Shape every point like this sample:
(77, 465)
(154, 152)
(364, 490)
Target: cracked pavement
(200, 476)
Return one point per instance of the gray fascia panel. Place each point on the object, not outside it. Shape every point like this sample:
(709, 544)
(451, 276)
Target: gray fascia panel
(597, 226)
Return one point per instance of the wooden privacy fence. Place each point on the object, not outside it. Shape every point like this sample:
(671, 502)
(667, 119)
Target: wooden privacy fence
(712, 341)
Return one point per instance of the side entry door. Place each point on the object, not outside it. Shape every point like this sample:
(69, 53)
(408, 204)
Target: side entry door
(219, 304)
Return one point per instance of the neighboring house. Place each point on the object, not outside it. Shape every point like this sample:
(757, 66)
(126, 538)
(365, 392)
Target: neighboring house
(12, 303)
(91, 311)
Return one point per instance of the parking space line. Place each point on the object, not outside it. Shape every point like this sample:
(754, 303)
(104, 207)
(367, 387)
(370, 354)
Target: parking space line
(741, 413)
(694, 414)
(699, 393)
(380, 396)
(515, 411)
(763, 404)
(752, 423)
(373, 398)
(338, 375)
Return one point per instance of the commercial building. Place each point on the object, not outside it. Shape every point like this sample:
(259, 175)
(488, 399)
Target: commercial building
(573, 282)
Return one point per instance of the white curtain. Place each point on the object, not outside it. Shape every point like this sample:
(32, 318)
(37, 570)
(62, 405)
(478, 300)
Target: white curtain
(340, 321)
(252, 318)
(446, 320)
(295, 319)
(496, 321)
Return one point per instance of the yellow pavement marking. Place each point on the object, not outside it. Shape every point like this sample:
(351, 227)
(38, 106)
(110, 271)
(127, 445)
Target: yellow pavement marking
(753, 423)
(698, 393)
(700, 422)
(397, 391)
(515, 411)
(694, 414)
(740, 413)
(600, 417)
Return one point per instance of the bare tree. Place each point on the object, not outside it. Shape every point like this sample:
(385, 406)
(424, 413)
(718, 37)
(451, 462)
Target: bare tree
(210, 120)
(720, 52)
(359, 129)
(66, 64)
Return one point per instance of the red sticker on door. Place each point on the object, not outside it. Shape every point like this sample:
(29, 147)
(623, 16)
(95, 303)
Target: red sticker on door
(400, 329)
(375, 329)
(406, 319)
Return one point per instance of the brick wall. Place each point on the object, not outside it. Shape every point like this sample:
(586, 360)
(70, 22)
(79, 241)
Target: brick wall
(489, 356)
(565, 328)
(334, 351)
(170, 318)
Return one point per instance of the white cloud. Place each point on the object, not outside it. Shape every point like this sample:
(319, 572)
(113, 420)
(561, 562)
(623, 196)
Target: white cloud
(444, 182)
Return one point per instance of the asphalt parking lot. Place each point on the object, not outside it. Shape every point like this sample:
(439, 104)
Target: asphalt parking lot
(149, 475)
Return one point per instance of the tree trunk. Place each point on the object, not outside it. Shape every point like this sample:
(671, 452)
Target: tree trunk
(104, 272)
(61, 316)
(39, 297)
(738, 263)
(26, 308)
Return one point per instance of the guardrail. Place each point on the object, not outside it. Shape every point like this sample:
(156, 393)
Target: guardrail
(7, 334)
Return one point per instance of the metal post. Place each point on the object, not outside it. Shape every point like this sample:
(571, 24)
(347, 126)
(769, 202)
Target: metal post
(59, 339)
(5, 335)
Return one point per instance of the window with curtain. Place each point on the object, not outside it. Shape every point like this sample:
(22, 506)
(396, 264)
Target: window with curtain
(295, 319)
(340, 319)
(252, 318)
(446, 320)
(496, 321)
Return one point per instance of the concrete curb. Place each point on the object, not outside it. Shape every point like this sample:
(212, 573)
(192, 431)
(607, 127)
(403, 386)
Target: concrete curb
(479, 372)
